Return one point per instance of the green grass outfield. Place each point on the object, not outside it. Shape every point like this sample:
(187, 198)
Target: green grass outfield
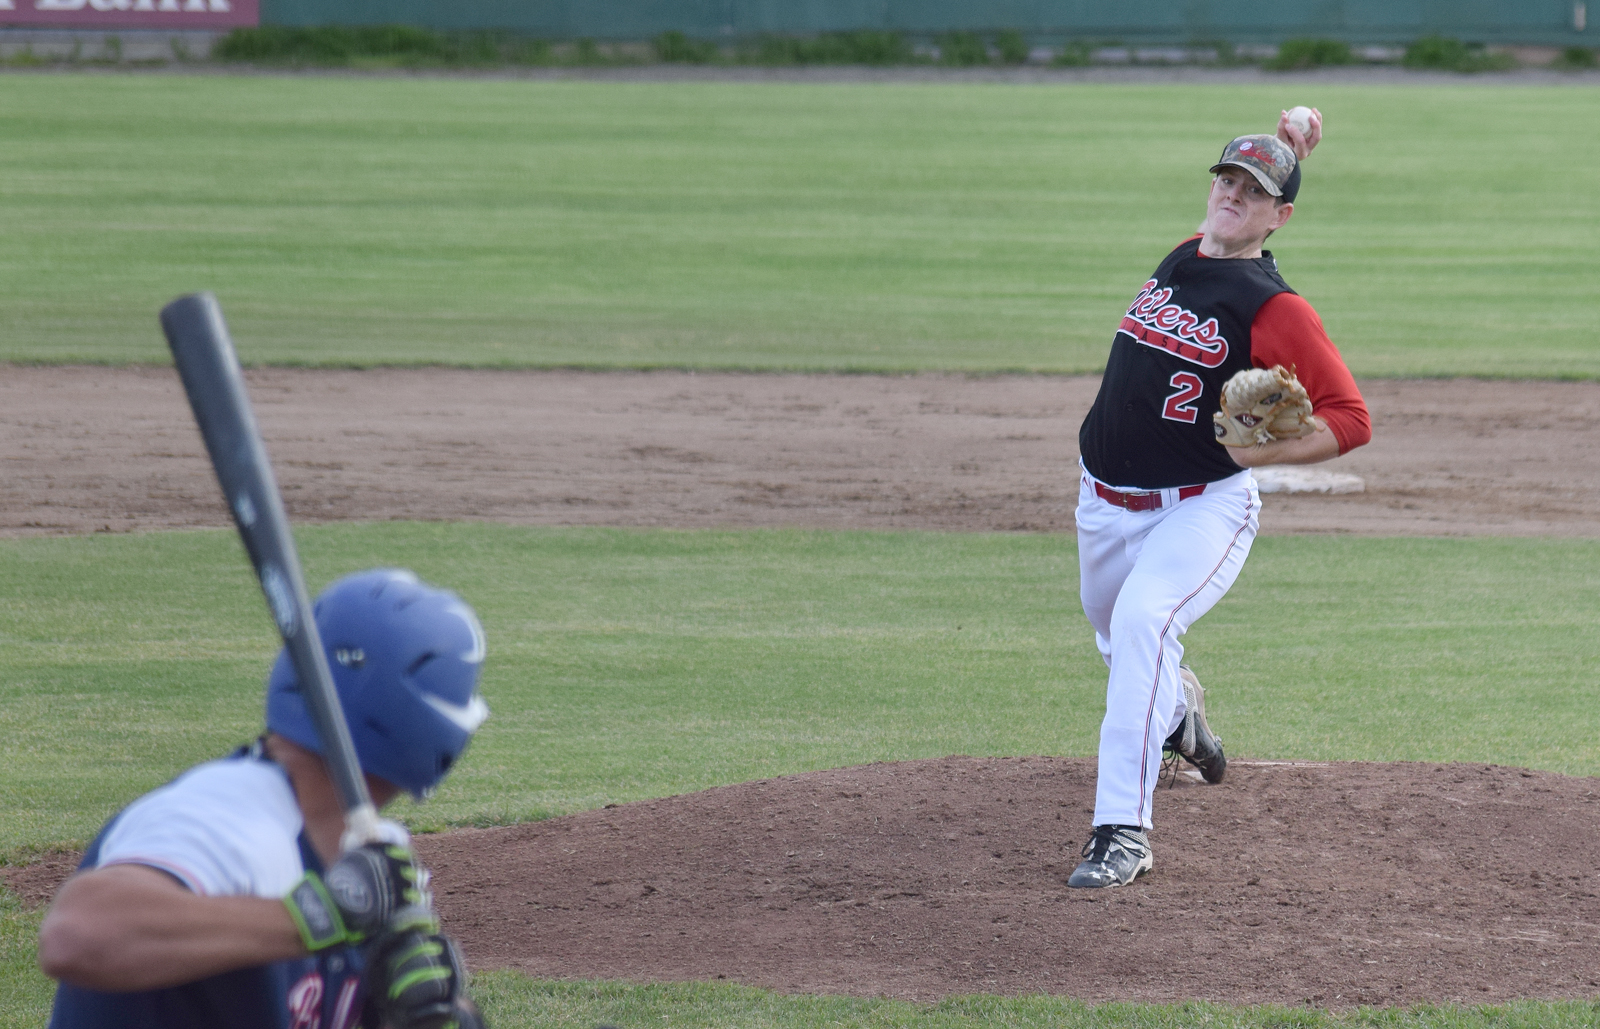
(636, 663)
(349, 220)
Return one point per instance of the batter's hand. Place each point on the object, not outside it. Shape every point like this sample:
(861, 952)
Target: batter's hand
(356, 898)
(415, 978)
(1302, 144)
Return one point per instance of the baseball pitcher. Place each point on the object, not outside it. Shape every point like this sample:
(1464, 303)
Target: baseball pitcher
(1216, 368)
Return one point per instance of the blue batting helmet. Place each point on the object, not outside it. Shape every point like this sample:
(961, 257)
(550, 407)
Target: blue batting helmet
(405, 659)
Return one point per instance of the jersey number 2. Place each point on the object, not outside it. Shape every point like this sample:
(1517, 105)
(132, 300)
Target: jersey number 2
(1180, 405)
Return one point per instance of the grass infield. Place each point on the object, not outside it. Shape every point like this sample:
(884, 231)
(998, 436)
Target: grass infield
(637, 663)
(627, 664)
(353, 221)
(518, 1001)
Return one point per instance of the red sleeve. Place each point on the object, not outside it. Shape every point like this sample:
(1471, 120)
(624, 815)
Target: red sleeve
(1287, 331)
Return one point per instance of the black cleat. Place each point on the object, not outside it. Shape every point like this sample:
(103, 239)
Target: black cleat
(1193, 739)
(1115, 855)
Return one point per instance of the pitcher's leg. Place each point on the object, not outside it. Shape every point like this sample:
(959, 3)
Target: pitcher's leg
(1186, 564)
(1141, 700)
(1104, 560)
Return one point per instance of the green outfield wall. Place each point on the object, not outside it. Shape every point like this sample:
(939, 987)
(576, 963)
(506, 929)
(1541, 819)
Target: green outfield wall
(1548, 22)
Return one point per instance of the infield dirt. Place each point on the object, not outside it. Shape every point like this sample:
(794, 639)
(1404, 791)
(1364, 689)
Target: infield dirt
(90, 449)
(1330, 885)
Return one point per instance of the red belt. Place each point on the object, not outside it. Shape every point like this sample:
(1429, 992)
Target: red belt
(1140, 500)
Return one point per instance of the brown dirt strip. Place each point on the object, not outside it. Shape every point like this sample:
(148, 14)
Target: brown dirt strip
(85, 449)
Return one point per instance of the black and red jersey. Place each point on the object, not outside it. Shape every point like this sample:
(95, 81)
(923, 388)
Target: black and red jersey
(1186, 333)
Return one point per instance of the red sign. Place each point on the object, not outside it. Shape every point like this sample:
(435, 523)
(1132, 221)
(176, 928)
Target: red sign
(132, 14)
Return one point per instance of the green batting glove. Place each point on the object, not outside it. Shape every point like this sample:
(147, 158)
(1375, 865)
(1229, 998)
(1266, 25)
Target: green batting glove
(315, 914)
(415, 977)
(358, 896)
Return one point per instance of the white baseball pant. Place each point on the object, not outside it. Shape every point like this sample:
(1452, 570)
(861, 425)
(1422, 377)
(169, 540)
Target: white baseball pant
(1146, 576)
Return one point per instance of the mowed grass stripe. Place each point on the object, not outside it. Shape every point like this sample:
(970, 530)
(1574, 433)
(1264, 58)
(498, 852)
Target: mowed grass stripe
(813, 226)
(627, 664)
(516, 1000)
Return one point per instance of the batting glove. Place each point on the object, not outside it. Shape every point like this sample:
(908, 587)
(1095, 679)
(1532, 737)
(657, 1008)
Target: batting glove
(415, 978)
(356, 898)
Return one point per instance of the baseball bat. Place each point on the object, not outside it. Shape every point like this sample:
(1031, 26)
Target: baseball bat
(209, 368)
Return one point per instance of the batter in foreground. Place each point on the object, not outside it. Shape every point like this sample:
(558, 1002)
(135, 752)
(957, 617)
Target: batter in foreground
(221, 900)
(1166, 511)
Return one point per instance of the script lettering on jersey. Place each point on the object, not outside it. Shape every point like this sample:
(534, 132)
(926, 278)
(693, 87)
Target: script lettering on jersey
(346, 1012)
(1155, 321)
(305, 1002)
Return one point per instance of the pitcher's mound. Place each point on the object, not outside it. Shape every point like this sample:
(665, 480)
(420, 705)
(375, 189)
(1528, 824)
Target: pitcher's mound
(1324, 884)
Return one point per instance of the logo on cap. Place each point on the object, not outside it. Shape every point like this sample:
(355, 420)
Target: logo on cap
(1267, 158)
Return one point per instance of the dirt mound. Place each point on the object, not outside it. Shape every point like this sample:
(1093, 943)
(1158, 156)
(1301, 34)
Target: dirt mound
(35, 882)
(1329, 885)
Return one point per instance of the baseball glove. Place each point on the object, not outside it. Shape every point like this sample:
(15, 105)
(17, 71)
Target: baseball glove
(1260, 405)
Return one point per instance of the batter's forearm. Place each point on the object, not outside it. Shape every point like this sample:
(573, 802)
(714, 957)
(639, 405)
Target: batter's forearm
(1321, 445)
(130, 927)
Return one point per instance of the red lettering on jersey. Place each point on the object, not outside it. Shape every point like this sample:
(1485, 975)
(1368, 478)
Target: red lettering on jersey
(305, 1002)
(1156, 322)
(345, 1012)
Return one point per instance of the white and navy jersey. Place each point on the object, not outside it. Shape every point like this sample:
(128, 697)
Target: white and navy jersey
(1185, 334)
(224, 828)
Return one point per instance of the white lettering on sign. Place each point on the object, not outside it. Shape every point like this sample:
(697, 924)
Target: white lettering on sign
(198, 6)
(129, 13)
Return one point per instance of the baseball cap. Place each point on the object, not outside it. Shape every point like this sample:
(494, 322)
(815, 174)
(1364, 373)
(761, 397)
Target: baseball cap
(1269, 159)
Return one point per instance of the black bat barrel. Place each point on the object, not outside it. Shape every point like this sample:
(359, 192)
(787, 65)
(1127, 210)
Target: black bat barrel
(204, 354)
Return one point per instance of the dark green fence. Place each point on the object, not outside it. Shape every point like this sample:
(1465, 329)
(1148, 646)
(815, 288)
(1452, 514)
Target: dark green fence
(1553, 22)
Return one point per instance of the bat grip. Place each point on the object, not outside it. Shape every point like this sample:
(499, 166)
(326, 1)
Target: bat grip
(310, 660)
(361, 827)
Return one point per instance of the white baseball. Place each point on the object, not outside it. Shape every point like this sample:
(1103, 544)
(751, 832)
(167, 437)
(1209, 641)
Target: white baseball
(1300, 118)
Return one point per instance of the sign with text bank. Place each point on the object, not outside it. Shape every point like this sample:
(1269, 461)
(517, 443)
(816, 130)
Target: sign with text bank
(131, 14)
